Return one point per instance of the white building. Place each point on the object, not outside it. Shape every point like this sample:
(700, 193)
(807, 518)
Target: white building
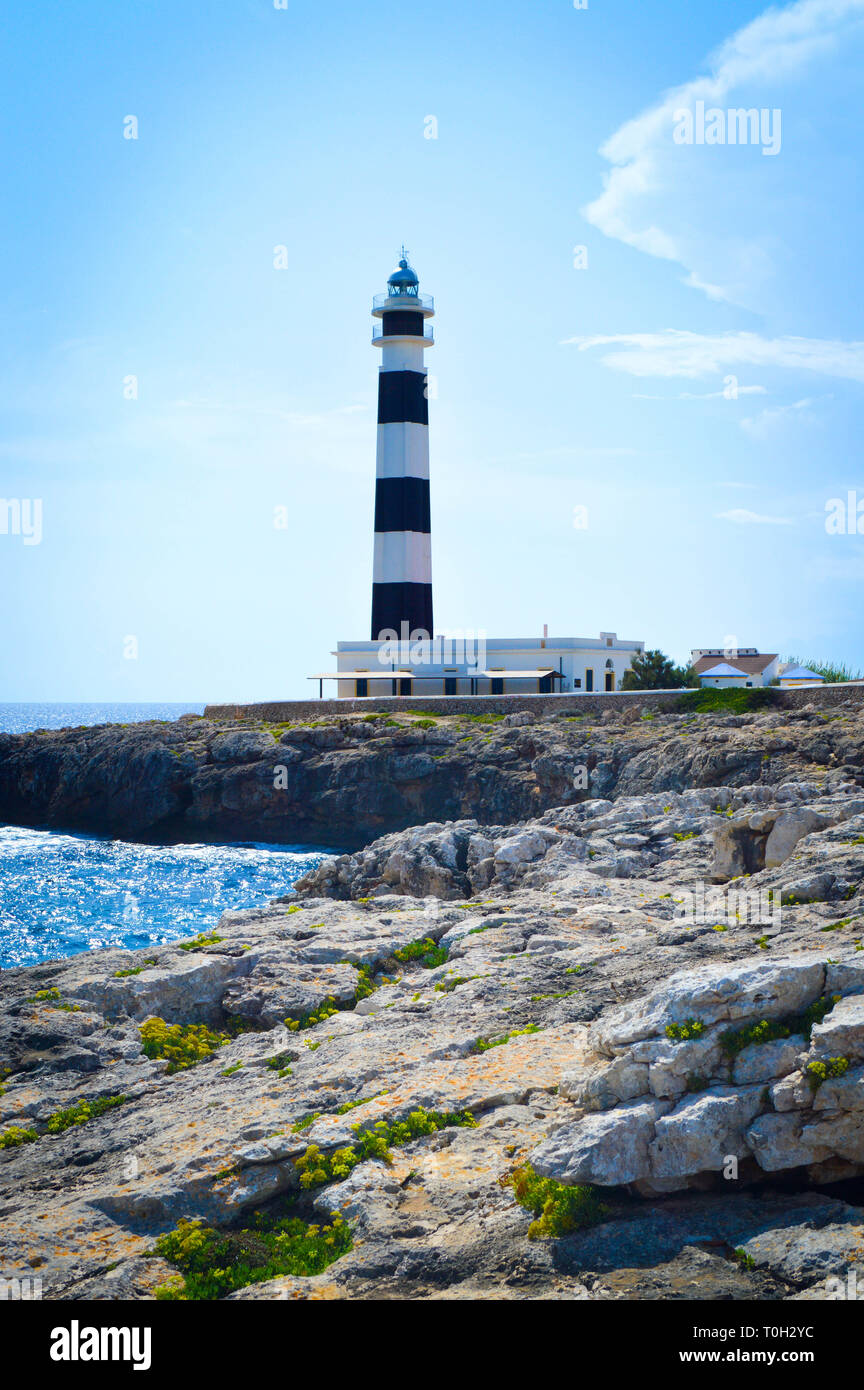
(467, 665)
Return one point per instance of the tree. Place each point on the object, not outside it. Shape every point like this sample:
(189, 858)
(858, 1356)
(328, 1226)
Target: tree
(654, 670)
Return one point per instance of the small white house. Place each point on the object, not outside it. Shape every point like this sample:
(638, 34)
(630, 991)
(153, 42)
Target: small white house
(791, 676)
(745, 666)
(723, 676)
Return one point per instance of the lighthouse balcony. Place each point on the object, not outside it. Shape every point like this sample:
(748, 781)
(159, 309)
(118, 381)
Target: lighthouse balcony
(424, 303)
(388, 333)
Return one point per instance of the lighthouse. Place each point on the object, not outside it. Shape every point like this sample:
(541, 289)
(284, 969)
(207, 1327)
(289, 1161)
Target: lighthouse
(402, 570)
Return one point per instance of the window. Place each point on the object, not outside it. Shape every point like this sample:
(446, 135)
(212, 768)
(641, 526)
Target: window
(362, 689)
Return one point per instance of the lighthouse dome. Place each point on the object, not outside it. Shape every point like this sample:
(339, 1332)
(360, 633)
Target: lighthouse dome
(403, 280)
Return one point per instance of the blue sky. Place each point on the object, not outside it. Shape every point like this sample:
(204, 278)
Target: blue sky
(606, 387)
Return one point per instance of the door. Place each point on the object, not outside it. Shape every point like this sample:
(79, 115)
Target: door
(362, 689)
(610, 680)
(405, 687)
(450, 685)
(589, 679)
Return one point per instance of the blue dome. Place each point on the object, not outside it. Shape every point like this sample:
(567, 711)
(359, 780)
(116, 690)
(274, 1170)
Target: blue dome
(403, 278)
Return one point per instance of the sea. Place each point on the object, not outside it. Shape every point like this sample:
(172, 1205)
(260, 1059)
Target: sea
(61, 894)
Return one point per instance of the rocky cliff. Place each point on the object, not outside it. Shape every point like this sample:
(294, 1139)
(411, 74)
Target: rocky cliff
(610, 1047)
(344, 781)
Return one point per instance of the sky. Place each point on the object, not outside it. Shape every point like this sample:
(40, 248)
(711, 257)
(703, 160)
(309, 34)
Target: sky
(648, 381)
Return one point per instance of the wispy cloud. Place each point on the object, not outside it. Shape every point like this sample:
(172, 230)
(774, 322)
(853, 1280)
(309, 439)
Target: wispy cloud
(741, 517)
(767, 421)
(678, 353)
(704, 395)
(660, 201)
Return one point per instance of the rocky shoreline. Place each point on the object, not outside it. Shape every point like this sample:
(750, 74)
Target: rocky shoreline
(343, 781)
(646, 993)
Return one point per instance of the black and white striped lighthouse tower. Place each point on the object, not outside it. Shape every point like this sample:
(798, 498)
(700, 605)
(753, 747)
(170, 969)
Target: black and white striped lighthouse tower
(402, 573)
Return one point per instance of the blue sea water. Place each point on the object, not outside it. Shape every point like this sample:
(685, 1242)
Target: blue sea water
(21, 718)
(62, 894)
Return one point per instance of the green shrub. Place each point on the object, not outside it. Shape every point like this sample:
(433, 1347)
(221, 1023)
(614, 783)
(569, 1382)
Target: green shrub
(425, 951)
(199, 942)
(736, 700)
(829, 1070)
(80, 1112)
(15, 1136)
(317, 1168)
(214, 1264)
(734, 1040)
(683, 1032)
(183, 1044)
(559, 1208)
(484, 1044)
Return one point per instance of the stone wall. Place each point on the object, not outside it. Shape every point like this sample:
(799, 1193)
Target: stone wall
(279, 711)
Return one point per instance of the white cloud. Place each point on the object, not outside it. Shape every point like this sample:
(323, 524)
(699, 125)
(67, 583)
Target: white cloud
(766, 422)
(704, 395)
(679, 353)
(660, 200)
(742, 517)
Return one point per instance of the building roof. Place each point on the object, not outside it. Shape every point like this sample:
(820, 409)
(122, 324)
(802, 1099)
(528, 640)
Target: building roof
(382, 674)
(512, 675)
(800, 673)
(749, 665)
(724, 669)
